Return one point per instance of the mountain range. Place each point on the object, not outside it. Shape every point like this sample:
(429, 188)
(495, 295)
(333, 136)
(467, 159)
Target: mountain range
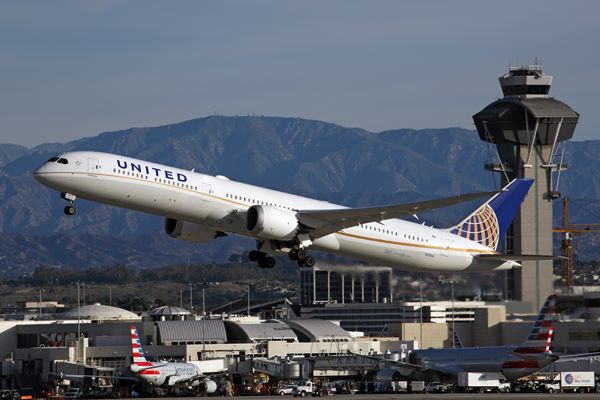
(348, 166)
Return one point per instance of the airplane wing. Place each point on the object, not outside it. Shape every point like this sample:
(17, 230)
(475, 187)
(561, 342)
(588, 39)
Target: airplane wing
(74, 376)
(406, 369)
(320, 223)
(578, 357)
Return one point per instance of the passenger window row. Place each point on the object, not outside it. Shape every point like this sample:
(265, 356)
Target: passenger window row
(254, 201)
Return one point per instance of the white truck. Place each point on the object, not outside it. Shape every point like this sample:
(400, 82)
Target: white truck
(481, 381)
(577, 381)
(305, 388)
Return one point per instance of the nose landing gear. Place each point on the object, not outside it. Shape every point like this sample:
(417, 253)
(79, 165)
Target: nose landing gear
(69, 210)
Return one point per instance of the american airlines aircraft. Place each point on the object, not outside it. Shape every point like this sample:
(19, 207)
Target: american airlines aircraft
(200, 208)
(513, 362)
(183, 374)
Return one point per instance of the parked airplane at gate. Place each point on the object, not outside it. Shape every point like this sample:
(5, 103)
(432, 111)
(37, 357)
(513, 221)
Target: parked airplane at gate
(513, 362)
(184, 374)
(200, 208)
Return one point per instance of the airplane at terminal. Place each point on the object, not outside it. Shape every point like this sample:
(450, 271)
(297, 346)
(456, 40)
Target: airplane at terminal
(183, 374)
(513, 362)
(200, 208)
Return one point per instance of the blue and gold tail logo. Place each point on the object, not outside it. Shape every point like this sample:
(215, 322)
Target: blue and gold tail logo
(481, 227)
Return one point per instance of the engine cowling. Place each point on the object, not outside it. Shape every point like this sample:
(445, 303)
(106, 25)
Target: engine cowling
(207, 386)
(271, 223)
(189, 231)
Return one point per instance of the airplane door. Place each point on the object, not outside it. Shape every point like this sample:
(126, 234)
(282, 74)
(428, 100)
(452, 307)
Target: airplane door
(93, 167)
(206, 192)
(445, 250)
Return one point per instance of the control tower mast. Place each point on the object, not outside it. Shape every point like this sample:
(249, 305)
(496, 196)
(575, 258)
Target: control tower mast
(529, 130)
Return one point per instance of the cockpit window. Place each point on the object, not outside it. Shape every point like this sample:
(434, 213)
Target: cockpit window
(53, 159)
(63, 161)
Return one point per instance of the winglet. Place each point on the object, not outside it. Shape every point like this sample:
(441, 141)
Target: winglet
(488, 223)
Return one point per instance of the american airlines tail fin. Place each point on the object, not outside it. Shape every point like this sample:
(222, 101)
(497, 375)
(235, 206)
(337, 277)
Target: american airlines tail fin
(488, 223)
(540, 335)
(136, 347)
(455, 339)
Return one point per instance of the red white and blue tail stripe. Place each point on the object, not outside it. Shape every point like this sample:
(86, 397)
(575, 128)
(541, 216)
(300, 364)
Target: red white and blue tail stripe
(541, 333)
(136, 347)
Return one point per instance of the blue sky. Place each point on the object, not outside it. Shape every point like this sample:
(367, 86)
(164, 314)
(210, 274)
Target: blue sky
(73, 69)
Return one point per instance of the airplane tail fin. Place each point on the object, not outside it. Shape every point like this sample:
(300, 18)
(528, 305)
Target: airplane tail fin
(455, 339)
(541, 333)
(136, 347)
(488, 223)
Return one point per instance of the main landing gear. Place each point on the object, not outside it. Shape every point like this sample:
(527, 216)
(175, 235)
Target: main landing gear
(303, 259)
(263, 260)
(69, 210)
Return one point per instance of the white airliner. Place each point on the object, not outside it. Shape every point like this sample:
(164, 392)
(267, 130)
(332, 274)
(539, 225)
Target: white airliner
(513, 362)
(199, 208)
(182, 374)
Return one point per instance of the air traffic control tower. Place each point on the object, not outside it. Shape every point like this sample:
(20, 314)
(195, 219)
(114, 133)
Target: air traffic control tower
(529, 131)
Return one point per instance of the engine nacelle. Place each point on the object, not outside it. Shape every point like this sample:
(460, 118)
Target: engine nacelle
(189, 231)
(207, 386)
(271, 223)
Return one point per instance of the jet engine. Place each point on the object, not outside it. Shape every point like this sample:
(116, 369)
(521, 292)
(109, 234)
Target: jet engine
(189, 231)
(207, 386)
(269, 222)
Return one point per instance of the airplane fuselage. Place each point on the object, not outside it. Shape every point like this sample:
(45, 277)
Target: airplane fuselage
(483, 359)
(169, 374)
(221, 205)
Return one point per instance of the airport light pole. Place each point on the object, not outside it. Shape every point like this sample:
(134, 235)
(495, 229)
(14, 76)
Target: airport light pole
(421, 312)
(78, 283)
(40, 304)
(204, 284)
(249, 284)
(191, 285)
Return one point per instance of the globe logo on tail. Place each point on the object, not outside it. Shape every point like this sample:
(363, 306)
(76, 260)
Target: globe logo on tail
(481, 227)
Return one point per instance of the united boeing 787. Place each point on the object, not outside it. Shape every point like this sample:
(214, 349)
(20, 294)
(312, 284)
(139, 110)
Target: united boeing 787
(200, 208)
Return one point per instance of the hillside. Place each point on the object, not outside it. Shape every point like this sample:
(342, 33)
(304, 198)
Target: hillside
(348, 166)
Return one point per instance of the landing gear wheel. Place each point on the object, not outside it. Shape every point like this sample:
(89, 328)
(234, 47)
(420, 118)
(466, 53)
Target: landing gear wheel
(267, 262)
(254, 256)
(69, 210)
(309, 261)
(293, 254)
(301, 254)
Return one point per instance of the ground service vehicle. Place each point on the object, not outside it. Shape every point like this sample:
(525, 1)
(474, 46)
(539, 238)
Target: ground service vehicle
(550, 386)
(307, 387)
(417, 386)
(435, 387)
(372, 387)
(480, 382)
(288, 389)
(577, 381)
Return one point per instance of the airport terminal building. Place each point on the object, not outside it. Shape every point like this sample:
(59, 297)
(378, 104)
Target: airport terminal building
(79, 341)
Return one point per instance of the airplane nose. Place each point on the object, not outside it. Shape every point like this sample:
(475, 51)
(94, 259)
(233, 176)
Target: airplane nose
(40, 174)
